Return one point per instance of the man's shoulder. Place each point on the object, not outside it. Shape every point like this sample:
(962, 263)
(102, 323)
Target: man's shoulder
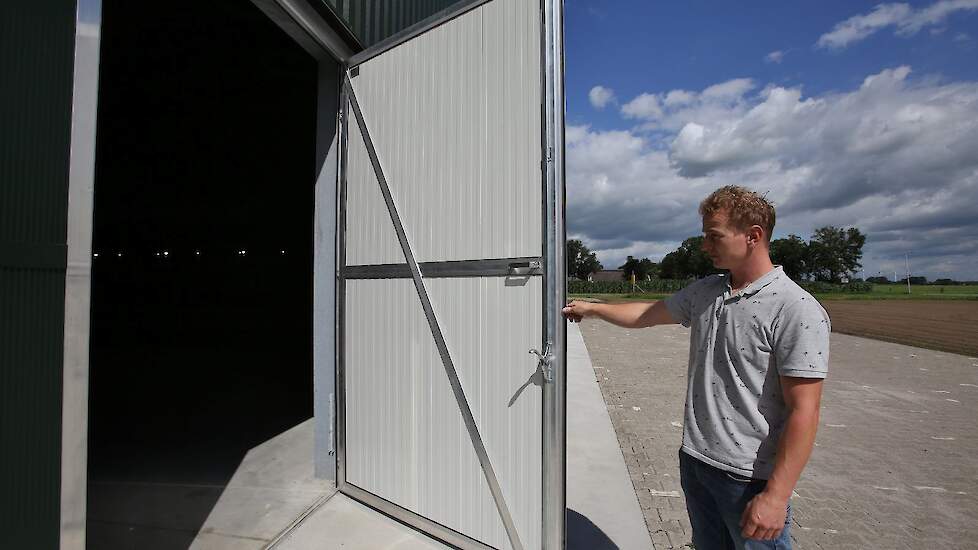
(705, 286)
(717, 280)
(795, 300)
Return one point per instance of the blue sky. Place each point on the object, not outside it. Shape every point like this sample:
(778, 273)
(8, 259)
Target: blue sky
(845, 113)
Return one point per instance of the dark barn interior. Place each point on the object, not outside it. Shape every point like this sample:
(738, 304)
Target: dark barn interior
(201, 334)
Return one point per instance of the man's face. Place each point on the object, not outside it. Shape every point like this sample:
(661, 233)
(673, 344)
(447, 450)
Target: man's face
(724, 244)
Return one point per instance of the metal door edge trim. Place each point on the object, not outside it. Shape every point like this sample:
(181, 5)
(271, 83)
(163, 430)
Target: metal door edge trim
(554, 516)
(340, 428)
(75, 364)
(463, 405)
(309, 24)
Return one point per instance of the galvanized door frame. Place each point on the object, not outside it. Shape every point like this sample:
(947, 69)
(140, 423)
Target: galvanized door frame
(78, 277)
(554, 412)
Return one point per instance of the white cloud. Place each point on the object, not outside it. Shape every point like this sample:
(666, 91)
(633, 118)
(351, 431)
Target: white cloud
(776, 56)
(678, 97)
(897, 157)
(671, 111)
(729, 90)
(934, 14)
(906, 21)
(644, 106)
(859, 27)
(599, 96)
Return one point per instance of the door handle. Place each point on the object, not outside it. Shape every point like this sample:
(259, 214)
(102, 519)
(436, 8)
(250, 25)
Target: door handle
(545, 361)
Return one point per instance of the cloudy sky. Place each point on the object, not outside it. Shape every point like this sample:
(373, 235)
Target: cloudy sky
(847, 113)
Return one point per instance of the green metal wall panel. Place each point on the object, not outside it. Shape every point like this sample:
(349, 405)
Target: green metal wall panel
(36, 65)
(371, 21)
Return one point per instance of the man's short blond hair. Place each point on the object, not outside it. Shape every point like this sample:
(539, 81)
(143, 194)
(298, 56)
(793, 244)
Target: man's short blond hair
(744, 208)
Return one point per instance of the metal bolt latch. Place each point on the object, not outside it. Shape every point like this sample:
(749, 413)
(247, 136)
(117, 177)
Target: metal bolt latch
(517, 269)
(546, 361)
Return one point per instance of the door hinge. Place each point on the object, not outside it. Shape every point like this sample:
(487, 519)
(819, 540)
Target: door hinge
(545, 361)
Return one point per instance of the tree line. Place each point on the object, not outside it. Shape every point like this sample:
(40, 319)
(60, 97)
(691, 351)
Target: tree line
(831, 255)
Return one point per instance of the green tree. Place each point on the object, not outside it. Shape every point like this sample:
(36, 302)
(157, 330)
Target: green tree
(643, 269)
(834, 252)
(581, 262)
(649, 268)
(687, 261)
(791, 253)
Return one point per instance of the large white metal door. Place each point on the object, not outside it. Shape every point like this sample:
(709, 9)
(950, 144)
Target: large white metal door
(451, 271)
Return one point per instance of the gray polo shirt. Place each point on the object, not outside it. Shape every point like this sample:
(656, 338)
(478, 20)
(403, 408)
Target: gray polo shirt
(740, 343)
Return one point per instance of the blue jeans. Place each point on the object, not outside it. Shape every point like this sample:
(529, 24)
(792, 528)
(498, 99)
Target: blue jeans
(715, 500)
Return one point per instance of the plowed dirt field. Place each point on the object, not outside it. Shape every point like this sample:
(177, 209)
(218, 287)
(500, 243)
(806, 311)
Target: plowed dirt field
(935, 324)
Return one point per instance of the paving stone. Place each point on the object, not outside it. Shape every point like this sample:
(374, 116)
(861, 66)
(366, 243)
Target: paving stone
(892, 453)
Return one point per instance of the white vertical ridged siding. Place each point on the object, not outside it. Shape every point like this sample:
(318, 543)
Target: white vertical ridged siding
(455, 117)
(369, 231)
(406, 441)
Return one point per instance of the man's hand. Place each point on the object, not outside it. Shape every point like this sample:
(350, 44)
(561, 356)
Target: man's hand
(576, 311)
(763, 518)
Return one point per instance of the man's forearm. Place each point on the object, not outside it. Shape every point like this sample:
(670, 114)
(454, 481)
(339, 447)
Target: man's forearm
(794, 449)
(624, 315)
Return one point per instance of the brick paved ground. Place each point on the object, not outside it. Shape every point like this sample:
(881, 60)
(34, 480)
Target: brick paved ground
(896, 458)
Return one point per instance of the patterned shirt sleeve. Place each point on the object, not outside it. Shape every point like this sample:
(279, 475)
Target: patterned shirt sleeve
(801, 344)
(680, 304)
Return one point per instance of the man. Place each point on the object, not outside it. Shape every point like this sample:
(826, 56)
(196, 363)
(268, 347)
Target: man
(759, 350)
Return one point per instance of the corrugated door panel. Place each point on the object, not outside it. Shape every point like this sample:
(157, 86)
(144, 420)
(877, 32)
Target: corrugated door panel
(455, 117)
(370, 233)
(490, 324)
(406, 441)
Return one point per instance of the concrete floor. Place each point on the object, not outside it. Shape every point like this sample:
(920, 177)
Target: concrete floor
(273, 486)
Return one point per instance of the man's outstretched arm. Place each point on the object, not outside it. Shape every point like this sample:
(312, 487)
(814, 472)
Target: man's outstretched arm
(629, 315)
(764, 515)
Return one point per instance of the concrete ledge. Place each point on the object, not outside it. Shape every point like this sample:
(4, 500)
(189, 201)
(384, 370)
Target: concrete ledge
(602, 509)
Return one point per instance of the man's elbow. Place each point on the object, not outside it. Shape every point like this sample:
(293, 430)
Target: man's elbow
(806, 413)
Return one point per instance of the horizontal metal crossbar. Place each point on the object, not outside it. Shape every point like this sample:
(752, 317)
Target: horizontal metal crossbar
(505, 267)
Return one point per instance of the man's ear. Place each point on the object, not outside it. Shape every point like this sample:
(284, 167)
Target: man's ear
(755, 235)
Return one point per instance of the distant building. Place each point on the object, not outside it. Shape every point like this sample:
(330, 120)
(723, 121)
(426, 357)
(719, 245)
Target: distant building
(607, 275)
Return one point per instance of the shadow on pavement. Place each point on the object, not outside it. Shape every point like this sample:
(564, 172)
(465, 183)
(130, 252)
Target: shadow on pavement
(583, 534)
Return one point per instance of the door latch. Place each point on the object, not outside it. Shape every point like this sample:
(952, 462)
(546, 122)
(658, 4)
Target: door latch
(545, 361)
(517, 269)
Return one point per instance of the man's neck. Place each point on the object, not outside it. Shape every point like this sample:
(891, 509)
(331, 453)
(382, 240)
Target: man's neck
(753, 269)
